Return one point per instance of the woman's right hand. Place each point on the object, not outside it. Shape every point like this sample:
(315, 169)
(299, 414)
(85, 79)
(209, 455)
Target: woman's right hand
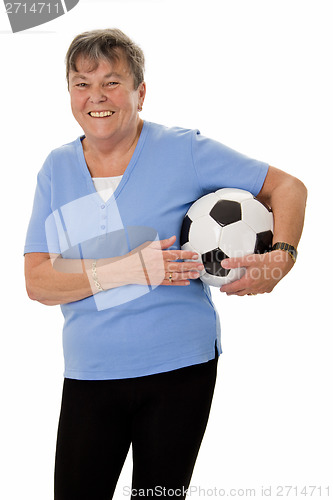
(52, 280)
(153, 263)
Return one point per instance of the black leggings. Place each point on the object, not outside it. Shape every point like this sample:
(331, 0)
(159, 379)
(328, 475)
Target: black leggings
(164, 416)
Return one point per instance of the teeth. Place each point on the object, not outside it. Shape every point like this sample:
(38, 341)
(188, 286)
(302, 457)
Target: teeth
(101, 114)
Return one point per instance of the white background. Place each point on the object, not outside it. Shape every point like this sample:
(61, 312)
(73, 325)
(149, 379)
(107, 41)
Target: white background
(255, 75)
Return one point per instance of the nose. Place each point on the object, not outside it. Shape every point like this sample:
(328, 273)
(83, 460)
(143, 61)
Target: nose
(97, 95)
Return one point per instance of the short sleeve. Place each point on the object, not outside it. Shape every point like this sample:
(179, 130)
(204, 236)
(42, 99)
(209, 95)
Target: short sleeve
(42, 234)
(218, 166)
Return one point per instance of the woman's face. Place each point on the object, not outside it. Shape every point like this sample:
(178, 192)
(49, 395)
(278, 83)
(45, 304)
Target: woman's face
(103, 100)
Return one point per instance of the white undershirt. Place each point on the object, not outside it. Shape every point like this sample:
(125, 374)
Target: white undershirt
(105, 186)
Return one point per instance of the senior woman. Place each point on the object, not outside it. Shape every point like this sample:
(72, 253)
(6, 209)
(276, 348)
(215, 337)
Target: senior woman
(141, 335)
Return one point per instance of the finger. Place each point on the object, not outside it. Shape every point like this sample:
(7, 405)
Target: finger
(173, 254)
(164, 243)
(170, 255)
(234, 262)
(176, 279)
(175, 283)
(240, 293)
(178, 267)
(235, 287)
(183, 276)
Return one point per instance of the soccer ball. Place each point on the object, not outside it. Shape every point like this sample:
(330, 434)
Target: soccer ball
(227, 223)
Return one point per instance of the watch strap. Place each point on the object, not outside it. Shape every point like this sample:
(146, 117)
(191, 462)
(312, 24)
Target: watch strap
(287, 248)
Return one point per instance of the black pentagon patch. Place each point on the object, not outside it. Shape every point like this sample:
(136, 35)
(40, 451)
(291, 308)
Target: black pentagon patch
(226, 212)
(212, 262)
(185, 230)
(264, 242)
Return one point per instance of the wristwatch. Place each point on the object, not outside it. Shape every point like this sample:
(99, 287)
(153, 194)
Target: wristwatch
(287, 248)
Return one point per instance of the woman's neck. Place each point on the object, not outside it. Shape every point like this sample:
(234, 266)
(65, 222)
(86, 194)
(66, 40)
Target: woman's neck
(106, 157)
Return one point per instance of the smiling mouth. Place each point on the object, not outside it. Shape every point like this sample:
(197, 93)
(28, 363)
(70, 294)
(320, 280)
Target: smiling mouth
(100, 114)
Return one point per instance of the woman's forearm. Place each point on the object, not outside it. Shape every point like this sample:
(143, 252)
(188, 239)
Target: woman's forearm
(52, 280)
(288, 207)
(59, 281)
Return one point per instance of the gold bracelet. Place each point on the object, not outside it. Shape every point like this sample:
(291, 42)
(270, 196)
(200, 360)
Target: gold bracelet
(95, 277)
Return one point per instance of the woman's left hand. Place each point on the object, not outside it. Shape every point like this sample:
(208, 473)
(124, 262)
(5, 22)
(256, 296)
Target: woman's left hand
(262, 272)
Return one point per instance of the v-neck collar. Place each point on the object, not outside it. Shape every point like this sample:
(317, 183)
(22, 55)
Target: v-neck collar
(127, 173)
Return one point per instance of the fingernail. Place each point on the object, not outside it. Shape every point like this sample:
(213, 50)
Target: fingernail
(225, 263)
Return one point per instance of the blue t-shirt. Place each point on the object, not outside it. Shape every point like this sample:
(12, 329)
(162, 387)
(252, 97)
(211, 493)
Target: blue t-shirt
(135, 330)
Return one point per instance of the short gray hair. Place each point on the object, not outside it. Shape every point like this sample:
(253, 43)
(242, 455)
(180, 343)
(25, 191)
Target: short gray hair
(106, 44)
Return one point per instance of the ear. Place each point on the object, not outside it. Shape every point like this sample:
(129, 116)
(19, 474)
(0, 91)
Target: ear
(141, 93)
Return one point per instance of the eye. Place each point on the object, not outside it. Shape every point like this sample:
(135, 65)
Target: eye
(81, 85)
(112, 84)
